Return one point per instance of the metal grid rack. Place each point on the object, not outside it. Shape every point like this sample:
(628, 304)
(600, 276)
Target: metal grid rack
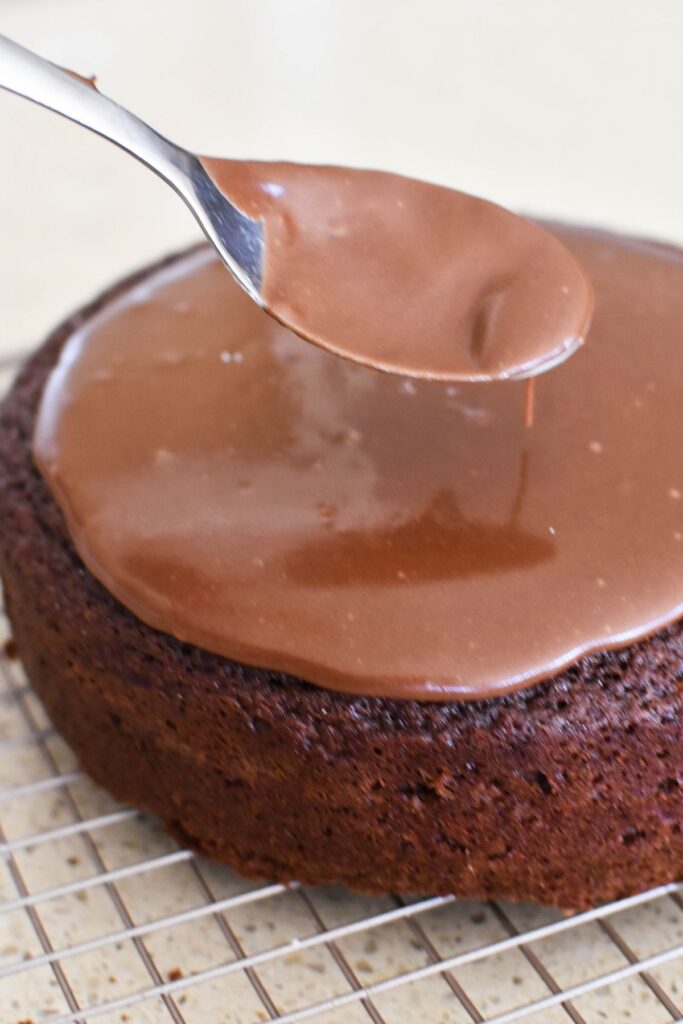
(104, 918)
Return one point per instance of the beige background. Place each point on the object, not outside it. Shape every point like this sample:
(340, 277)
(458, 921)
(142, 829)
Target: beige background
(566, 108)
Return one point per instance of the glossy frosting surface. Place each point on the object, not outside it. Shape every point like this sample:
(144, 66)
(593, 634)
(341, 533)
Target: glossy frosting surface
(407, 276)
(257, 496)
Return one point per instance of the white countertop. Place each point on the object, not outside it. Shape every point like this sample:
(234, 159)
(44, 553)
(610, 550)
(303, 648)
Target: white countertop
(566, 109)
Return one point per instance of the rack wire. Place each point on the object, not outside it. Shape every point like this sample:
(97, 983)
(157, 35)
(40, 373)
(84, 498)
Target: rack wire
(104, 918)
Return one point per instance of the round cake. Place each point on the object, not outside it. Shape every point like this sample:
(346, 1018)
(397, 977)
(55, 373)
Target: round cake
(566, 791)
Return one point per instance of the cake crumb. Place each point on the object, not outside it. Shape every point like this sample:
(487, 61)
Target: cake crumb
(440, 784)
(175, 974)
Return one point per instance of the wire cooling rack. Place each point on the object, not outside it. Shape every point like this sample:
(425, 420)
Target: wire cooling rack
(104, 918)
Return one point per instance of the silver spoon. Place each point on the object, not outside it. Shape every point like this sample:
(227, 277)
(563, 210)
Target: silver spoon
(316, 298)
(237, 238)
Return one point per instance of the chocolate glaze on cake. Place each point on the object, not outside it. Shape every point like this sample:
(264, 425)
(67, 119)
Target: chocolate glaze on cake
(568, 793)
(273, 503)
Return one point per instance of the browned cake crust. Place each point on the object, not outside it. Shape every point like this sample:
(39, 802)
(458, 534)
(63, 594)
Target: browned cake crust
(569, 793)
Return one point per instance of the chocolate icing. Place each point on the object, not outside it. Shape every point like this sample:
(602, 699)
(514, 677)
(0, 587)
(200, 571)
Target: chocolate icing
(265, 500)
(410, 277)
(89, 80)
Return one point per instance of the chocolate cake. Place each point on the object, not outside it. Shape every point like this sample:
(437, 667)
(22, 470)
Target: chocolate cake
(567, 792)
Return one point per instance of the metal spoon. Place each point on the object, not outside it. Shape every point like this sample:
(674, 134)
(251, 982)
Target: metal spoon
(310, 287)
(237, 238)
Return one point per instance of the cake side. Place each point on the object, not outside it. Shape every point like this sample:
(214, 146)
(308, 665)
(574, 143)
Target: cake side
(567, 793)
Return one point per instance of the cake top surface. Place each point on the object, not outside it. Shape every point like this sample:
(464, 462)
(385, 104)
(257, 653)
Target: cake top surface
(265, 500)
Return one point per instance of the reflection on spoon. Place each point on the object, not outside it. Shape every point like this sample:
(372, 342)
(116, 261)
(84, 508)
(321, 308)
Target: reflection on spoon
(410, 277)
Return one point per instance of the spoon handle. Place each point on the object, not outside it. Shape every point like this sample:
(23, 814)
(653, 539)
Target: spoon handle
(29, 75)
(237, 238)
